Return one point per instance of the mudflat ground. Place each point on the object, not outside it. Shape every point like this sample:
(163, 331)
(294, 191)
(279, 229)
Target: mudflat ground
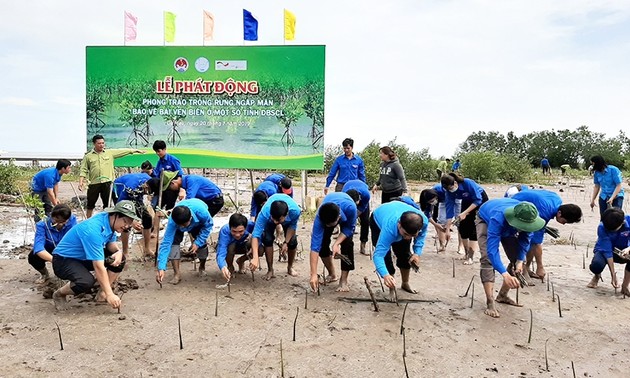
(248, 331)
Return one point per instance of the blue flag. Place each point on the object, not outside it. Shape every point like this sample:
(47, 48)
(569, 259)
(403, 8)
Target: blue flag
(250, 26)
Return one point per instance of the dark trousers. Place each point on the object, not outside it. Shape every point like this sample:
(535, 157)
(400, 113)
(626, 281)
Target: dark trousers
(214, 204)
(364, 218)
(599, 262)
(48, 206)
(387, 196)
(347, 249)
(402, 250)
(269, 236)
(78, 272)
(37, 262)
(603, 205)
(96, 190)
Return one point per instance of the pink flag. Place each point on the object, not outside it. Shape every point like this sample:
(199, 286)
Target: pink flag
(130, 27)
(208, 26)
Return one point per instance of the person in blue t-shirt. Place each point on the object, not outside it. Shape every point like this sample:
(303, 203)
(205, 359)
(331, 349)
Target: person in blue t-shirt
(45, 185)
(510, 223)
(546, 168)
(363, 209)
(234, 239)
(133, 187)
(194, 186)
(607, 179)
(90, 247)
(48, 233)
(393, 225)
(456, 166)
(190, 216)
(549, 206)
(264, 190)
(280, 209)
(283, 183)
(346, 167)
(166, 163)
(337, 209)
(613, 232)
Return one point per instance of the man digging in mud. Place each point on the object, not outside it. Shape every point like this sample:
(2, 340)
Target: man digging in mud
(190, 216)
(613, 232)
(509, 222)
(337, 208)
(84, 249)
(549, 206)
(393, 225)
(234, 239)
(280, 209)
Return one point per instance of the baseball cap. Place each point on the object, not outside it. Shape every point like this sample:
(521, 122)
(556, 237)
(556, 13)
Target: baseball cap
(126, 208)
(524, 217)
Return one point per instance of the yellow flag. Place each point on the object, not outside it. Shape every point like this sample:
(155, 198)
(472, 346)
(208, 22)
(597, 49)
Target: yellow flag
(169, 27)
(289, 26)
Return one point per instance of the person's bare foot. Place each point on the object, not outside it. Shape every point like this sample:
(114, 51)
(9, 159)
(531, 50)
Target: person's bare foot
(594, 282)
(330, 278)
(392, 295)
(241, 265)
(291, 272)
(100, 296)
(42, 279)
(461, 252)
(491, 310)
(61, 304)
(540, 272)
(527, 278)
(362, 249)
(406, 287)
(269, 275)
(175, 280)
(503, 298)
(468, 261)
(203, 273)
(625, 291)
(343, 287)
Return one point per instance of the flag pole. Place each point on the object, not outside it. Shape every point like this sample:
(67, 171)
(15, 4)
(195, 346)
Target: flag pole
(163, 28)
(124, 29)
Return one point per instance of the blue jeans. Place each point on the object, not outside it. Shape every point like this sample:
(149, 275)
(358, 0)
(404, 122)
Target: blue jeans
(603, 206)
(599, 263)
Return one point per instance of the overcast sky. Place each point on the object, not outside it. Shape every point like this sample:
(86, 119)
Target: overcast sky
(426, 72)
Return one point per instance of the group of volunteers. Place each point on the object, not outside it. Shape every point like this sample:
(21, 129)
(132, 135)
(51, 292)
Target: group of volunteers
(87, 252)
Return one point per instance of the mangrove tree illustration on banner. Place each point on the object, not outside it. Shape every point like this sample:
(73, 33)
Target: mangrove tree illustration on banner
(256, 107)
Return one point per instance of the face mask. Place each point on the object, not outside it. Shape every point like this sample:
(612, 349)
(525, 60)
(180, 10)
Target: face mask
(433, 202)
(453, 189)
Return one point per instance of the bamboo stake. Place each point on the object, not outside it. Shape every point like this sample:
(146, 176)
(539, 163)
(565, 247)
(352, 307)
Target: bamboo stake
(306, 300)
(517, 295)
(546, 359)
(60, 339)
(553, 293)
(295, 321)
(472, 296)
(367, 284)
(179, 327)
(380, 281)
(78, 200)
(559, 306)
(531, 325)
(573, 368)
(402, 321)
(281, 361)
(216, 303)
(396, 296)
(469, 285)
(404, 356)
(453, 268)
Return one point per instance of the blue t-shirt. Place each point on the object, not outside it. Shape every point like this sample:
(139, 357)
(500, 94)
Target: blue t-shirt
(547, 203)
(544, 163)
(268, 188)
(201, 220)
(130, 181)
(492, 213)
(47, 237)
(88, 239)
(363, 190)
(347, 220)
(264, 217)
(608, 181)
(387, 217)
(226, 239)
(348, 169)
(607, 240)
(468, 191)
(45, 179)
(200, 187)
(168, 163)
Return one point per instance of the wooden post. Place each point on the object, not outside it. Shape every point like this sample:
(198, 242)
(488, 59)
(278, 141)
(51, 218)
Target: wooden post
(304, 189)
(236, 189)
(367, 284)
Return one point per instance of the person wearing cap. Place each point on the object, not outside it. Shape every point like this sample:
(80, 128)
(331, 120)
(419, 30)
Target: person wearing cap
(346, 167)
(613, 232)
(264, 190)
(280, 209)
(234, 239)
(549, 206)
(194, 186)
(133, 187)
(337, 209)
(97, 169)
(45, 185)
(472, 195)
(48, 234)
(508, 222)
(84, 249)
(393, 226)
(363, 209)
(190, 216)
(283, 183)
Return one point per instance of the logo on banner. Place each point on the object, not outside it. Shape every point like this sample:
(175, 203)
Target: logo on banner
(230, 65)
(181, 64)
(202, 64)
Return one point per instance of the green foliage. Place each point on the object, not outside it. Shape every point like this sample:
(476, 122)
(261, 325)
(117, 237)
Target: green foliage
(330, 154)
(33, 204)
(491, 167)
(9, 176)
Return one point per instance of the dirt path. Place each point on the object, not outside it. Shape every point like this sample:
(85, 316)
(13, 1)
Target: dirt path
(333, 338)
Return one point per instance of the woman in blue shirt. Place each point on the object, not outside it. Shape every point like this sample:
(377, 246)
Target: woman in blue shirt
(607, 180)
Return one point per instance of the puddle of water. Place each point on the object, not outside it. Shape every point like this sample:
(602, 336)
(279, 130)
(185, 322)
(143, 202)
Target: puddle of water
(15, 232)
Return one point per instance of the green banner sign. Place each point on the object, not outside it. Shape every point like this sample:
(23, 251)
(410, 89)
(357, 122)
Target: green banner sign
(254, 107)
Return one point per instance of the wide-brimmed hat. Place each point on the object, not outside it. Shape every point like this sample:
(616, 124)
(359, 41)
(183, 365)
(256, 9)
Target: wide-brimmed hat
(524, 217)
(126, 208)
(168, 178)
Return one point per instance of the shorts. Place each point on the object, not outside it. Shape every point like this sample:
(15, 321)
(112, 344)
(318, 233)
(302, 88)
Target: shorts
(269, 236)
(402, 250)
(176, 253)
(78, 272)
(94, 191)
(510, 246)
(441, 217)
